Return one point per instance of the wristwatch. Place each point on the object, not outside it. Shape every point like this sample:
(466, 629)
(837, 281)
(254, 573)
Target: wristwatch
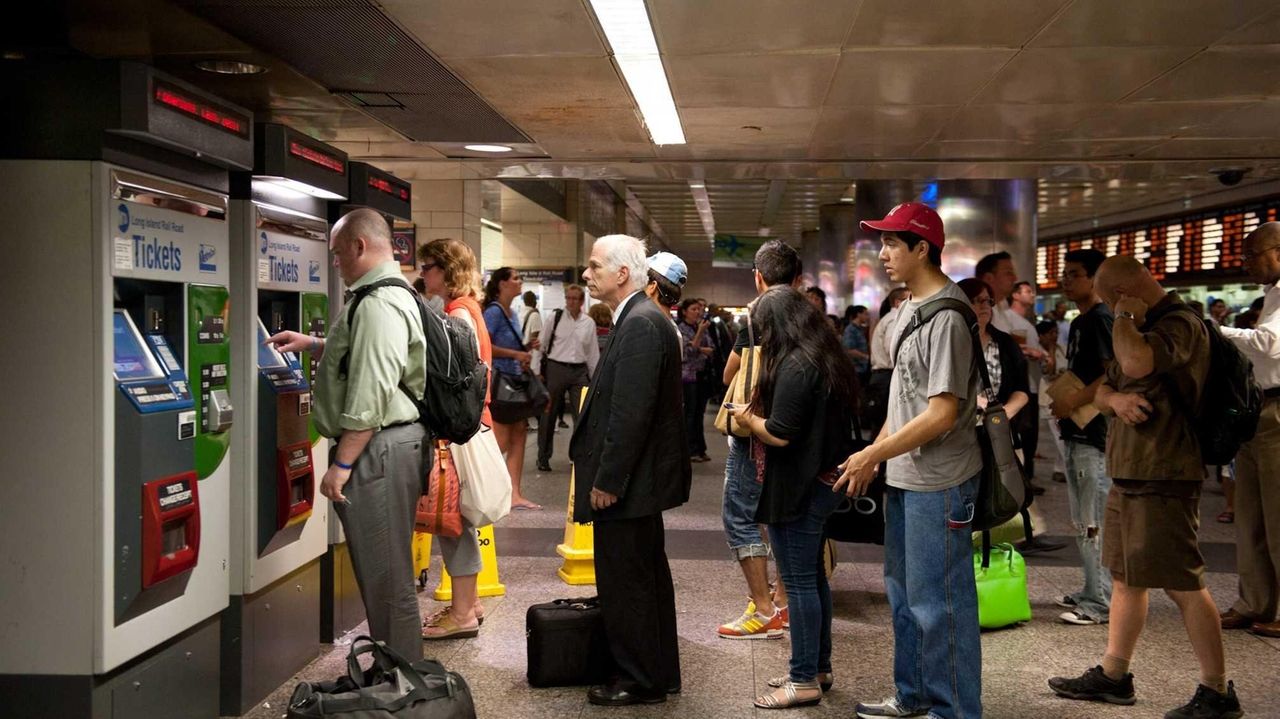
(1126, 315)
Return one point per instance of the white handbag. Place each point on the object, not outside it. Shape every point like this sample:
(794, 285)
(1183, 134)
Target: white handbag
(485, 484)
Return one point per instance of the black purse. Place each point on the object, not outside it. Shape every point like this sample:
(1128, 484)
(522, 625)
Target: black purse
(516, 397)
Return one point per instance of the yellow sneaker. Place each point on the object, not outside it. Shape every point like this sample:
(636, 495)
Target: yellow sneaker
(753, 625)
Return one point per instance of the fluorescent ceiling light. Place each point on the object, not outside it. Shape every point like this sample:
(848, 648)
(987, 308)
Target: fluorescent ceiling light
(301, 188)
(703, 205)
(626, 25)
(487, 148)
(490, 223)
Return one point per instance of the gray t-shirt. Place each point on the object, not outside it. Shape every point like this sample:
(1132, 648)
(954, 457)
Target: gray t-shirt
(936, 359)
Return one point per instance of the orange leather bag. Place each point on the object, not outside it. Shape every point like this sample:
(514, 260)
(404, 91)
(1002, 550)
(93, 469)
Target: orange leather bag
(439, 508)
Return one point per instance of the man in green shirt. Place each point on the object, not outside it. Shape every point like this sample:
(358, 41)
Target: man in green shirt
(377, 469)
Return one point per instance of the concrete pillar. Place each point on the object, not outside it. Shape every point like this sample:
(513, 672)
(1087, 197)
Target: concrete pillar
(985, 216)
(810, 251)
(837, 230)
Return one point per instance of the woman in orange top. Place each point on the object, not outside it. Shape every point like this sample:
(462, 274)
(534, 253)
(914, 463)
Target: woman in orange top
(449, 271)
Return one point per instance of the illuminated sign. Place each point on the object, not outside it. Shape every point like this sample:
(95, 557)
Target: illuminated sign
(316, 157)
(198, 109)
(1204, 246)
(387, 187)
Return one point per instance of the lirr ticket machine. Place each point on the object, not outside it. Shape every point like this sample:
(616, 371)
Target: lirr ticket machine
(341, 608)
(117, 417)
(280, 521)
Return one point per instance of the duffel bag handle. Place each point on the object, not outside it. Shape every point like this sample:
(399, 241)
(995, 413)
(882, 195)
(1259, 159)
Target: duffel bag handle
(388, 660)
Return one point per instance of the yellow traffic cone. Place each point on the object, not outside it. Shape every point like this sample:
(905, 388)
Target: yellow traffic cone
(578, 548)
(489, 584)
(421, 558)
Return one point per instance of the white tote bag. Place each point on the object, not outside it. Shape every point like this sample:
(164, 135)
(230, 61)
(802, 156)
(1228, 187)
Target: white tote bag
(482, 475)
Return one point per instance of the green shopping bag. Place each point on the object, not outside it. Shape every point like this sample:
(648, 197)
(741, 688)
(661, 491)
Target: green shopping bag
(1002, 587)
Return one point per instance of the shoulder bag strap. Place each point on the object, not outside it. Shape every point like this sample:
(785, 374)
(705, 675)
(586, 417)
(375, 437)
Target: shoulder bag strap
(519, 336)
(551, 341)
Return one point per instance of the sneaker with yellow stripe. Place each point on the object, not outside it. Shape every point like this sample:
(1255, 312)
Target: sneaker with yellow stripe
(753, 625)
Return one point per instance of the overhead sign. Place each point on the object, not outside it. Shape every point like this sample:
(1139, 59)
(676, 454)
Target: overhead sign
(738, 251)
(156, 243)
(286, 262)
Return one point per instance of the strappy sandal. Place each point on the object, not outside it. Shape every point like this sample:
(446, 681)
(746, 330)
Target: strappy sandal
(446, 627)
(449, 608)
(790, 696)
(824, 679)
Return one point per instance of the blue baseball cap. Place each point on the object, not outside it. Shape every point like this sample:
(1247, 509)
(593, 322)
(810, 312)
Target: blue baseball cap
(669, 266)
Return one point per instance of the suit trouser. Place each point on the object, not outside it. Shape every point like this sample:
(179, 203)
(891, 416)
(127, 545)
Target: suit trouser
(1258, 518)
(560, 378)
(383, 492)
(638, 601)
(1030, 433)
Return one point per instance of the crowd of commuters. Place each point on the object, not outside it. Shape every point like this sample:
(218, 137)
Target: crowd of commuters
(647, 361)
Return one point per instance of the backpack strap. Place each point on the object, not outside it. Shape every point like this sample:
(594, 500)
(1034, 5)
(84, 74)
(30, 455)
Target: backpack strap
(358, 296)
(928, 311)
(551, 341)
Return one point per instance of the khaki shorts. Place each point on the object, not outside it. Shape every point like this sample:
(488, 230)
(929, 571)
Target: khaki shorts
(1149, 538)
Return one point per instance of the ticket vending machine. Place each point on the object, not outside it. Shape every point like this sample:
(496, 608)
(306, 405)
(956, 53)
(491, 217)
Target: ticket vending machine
(341, 608)
(117, 418)
(280, 268)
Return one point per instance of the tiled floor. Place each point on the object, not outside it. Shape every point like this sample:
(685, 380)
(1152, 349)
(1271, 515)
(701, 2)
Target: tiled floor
(721, 677)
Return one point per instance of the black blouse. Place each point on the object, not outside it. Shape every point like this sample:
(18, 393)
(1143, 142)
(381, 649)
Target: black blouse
(819, 436)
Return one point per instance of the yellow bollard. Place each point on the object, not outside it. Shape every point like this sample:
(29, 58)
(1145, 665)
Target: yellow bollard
(489, 584)
(578, 548)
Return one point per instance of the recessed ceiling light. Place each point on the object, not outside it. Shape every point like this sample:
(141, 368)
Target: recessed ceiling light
(229, 67)
(487, 148)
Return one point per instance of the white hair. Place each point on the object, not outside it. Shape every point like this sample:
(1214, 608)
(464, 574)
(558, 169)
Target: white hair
(626, 251)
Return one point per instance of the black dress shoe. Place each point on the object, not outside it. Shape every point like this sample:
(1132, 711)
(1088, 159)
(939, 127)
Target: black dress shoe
(544, 466)
(674, 689)
(617, 695)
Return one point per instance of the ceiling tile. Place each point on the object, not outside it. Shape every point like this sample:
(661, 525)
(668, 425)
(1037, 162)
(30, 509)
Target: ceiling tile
(1198, 148)
(1155, 119)
(855, 150)
(1255, 120)
(781, 80)
(1014, 122)
(1079, 75)
(1247, 72)
(514, 85)
(736, 126)
(736, 26)
(465, 28)
(977, 149)
(573, 148)
(1263, 31)
(1092, 149)
(898, 124)
(913, 77)
(1107, 23)
(992, 23)
(583, 125)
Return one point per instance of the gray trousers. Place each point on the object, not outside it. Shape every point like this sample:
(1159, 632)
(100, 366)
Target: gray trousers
(560, 378)
(383, 492)
(1258, 518)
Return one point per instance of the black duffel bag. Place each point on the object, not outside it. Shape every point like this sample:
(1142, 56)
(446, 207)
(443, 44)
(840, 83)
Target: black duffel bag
(567, 645)
(392, 687)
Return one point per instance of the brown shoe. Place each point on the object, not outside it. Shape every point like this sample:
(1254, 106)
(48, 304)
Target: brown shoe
(1266, 629)
(1231, 619)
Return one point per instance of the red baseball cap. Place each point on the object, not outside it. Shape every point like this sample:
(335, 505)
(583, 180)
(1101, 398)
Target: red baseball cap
(915, 217)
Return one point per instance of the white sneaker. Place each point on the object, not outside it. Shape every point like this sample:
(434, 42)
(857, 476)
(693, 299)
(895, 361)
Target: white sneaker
(887, 708)
(1075, 616)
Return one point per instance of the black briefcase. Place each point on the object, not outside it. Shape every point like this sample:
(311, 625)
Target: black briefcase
(567, 644)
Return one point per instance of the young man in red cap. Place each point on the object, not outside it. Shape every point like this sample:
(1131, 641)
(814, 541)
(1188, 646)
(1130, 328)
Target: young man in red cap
(933, 466)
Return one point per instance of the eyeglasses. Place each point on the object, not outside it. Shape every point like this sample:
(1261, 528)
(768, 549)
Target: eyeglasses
(984, 301)
(428, 266)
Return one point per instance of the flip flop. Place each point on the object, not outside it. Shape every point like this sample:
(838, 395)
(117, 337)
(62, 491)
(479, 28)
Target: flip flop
(446, 628)
(530, 507)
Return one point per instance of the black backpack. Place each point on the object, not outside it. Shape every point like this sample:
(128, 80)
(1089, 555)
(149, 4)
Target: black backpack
(1231, 401)
(457, 381)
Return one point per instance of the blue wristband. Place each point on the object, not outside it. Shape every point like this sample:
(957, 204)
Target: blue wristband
(340, 465)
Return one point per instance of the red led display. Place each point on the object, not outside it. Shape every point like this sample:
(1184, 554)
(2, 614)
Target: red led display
(1205, 246)
(316, 157)
(389, 188)
(206, 112)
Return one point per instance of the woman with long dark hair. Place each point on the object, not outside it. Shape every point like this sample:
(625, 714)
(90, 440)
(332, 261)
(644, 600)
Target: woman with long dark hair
(511, 356)
(801, 420)
(1006, 364)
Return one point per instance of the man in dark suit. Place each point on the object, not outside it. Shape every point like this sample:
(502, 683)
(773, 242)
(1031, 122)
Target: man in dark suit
(631, 456)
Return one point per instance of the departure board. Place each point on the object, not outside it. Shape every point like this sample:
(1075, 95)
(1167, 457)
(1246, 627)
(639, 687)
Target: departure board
(1205, 246)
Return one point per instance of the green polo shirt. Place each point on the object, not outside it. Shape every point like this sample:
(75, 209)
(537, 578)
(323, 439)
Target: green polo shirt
(388, 346)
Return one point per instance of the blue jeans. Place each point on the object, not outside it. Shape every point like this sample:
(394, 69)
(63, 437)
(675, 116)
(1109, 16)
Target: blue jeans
(741, 498)
(928, 575)
(1087, 489)
(797, 546)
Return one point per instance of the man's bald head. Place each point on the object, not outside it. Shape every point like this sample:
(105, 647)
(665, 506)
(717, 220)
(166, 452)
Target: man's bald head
(368, 225)
(1262, 253)
(360, 241)
(1124, 276)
